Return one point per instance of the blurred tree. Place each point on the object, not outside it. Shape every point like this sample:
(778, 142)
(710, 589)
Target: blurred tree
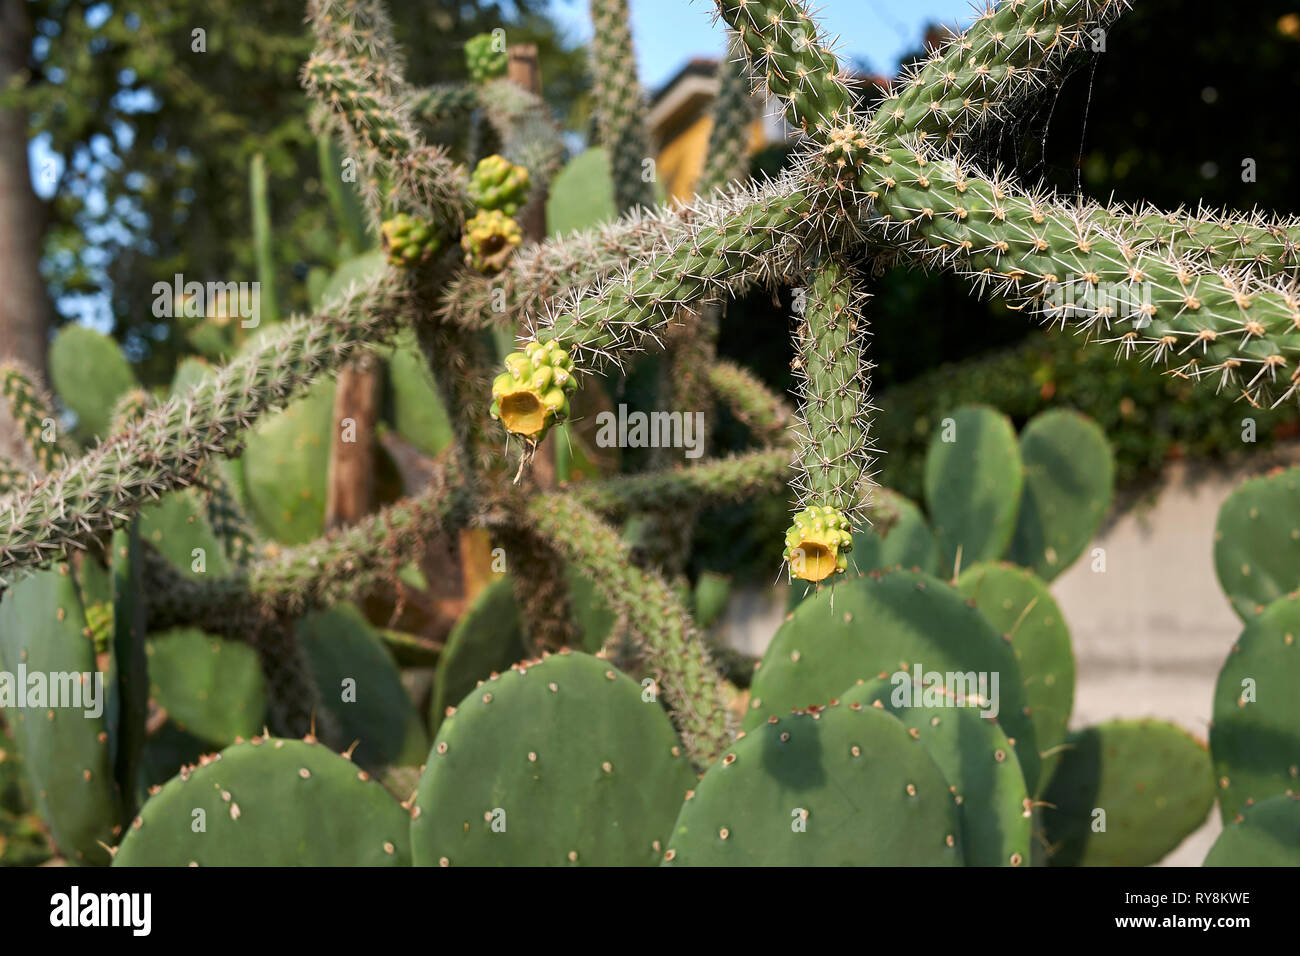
(150, 115)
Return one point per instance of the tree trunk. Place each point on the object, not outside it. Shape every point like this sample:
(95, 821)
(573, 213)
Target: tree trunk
(351, 486)
(24, 309)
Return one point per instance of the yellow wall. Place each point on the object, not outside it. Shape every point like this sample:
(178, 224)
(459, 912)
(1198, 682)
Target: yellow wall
(681, 160)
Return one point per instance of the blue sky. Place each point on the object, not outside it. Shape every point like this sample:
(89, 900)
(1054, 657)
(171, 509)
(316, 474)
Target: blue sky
(667, 33)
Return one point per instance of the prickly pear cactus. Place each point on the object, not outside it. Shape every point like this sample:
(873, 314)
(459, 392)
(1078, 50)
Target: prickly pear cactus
(234, 810)
(90, 373)
(1255, 734)
(555, 762)
(904, 540)
(976, 759)
(486, 640)
(1069, 481)
(1257, 542)
(973, 480)
(286, 467)
(361, 687)
(499, 184)
(1265, 834)
(533, 393)
(1019, 605)
(836, 787)
(880, 625)
(1126, 793)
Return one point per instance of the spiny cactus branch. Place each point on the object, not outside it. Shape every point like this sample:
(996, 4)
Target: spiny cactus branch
(718, 481)
(834, 455)
(167, 447)
(727, 160)
(766, 414)
(1059, 261)
(345, 565)
(620, 105)
(978, 78)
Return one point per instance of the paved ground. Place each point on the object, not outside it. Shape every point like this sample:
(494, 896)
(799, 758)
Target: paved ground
(1150, 632)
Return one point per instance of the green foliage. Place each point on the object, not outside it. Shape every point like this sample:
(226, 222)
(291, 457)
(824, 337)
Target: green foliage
(239, 797)
(67, 755)
(557, 761)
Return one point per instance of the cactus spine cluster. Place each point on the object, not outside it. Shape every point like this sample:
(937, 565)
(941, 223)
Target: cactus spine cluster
(1218, 302)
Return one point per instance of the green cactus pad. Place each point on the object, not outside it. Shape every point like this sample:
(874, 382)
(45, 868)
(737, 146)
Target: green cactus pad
(483, 61)
(1152, 779)
(973, 484)
(1255, 736)
(1019, 605)
(418, 412)
(189, 373)
(270, 802)
(286, 467)
(567, 754)
(65, 753)
(177, 526)
(533, 392)
(836, 787)
(211, 688)
(978, 762)
(90, 373)
(487, 639)
(581, 194)
(591, 613)
(497, 183)
(817, 543)
(360, 685)
(879, 624)
(904, 541)
(410, 242)
(489, 239)
(1257, 542)
(1069, 482)
(1268, 834)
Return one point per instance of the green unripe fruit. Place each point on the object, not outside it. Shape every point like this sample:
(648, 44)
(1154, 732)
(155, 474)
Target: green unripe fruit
(485, 62)
(489, 239)
(409, 241)
(817, 544)
(498, 183)
(533, 392)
